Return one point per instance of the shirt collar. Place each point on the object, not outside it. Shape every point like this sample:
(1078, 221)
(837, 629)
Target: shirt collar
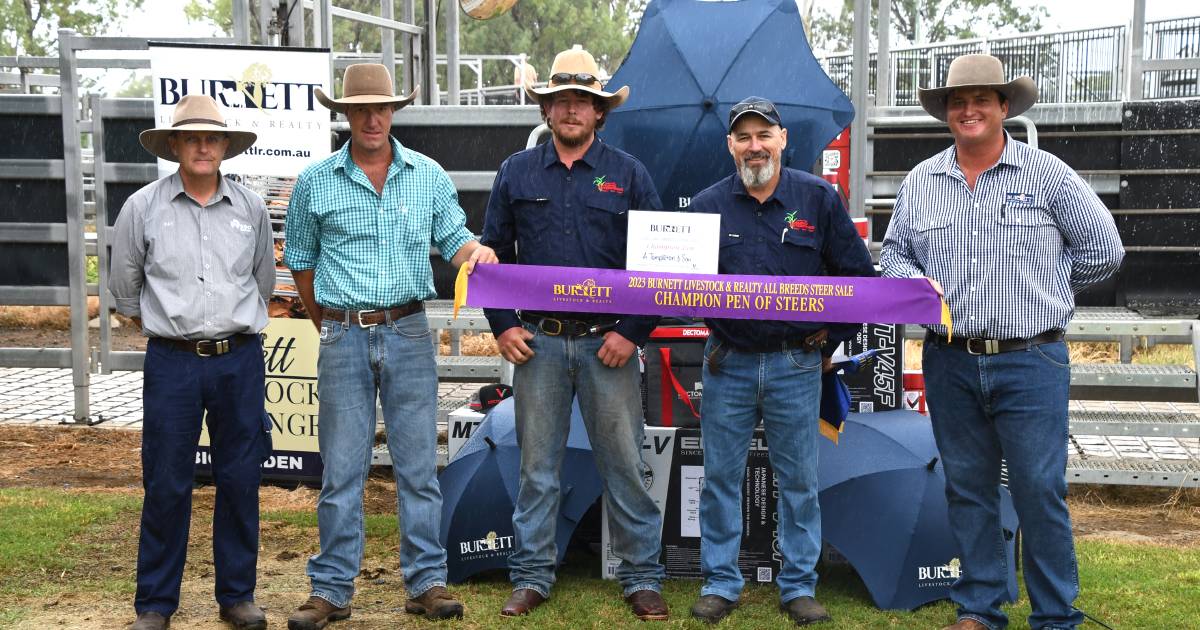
(780, 194)
(400, 155)
(591, 157)
(1012, 155)
(175, 187)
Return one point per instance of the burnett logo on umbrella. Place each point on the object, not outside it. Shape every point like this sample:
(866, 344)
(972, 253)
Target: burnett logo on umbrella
(491, 542)
(949, 571)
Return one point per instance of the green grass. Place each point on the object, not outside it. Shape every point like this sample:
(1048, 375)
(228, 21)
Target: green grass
(54, 542)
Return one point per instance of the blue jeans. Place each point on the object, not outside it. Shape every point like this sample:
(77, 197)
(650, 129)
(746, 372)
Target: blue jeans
(394, 361)
(783, 389)
(1011, 405)
(179, 388)
(610, 402)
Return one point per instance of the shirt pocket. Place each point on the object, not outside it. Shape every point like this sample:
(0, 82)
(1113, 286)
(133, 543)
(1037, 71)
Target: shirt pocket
(801, 254)
(532, 215)
(732, 258)
(934, 235)
(607, 214)
(1028, 231)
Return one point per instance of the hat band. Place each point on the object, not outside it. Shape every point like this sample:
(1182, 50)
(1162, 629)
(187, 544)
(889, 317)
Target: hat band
(191, 121)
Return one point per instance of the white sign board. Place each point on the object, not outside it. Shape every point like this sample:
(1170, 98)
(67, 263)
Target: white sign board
(269, 91)
(678, 242)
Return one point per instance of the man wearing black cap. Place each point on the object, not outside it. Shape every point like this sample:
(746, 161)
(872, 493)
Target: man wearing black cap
(775, 221)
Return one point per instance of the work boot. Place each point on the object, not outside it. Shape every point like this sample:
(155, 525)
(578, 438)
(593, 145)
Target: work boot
(805, 610)
(712, 608)
(244, 616)
(648, 605)
(435, 603)
(315, 614)
(966, 624)
(150, 621)
(522, 602)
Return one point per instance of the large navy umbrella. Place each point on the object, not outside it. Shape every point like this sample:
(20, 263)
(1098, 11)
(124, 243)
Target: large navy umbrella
(883, 507)
(479, 490)
(691, 62)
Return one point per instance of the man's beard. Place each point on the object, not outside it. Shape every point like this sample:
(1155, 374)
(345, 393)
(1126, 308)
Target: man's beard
(756, 177)
(571, 141)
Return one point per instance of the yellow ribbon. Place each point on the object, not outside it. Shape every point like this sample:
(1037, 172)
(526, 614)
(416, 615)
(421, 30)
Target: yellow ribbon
(830, 432)
(460, 290)
(945, 321)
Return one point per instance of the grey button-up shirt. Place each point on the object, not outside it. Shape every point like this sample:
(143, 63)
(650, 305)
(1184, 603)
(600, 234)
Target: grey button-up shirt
(192, 271)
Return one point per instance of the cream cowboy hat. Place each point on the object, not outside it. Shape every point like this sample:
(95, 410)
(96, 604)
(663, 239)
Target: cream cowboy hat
(983, 71)
(366, 84)
(195, 112)
(576, 69)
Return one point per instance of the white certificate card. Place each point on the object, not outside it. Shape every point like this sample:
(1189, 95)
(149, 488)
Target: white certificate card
(679, 242)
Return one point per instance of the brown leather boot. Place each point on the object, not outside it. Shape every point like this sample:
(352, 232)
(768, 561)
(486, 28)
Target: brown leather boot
(805, 610)
(315, 614)
(648, 605)
(521, 602)
(150, 621)
(244, 616)
(435, 603)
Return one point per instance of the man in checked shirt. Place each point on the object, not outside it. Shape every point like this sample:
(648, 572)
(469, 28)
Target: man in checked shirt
(193, 265)
(1012, 234)
(359, 228)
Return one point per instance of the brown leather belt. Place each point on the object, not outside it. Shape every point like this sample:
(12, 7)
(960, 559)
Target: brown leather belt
(373, 317)
(979, 345)
(206, 347)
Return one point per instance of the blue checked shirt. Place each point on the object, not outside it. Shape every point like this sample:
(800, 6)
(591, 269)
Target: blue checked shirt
(371, 250)
(1012, 254)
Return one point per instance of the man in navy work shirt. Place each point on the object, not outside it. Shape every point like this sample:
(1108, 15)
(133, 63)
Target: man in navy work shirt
(566, 203)
(775, 221)
(1011, 233)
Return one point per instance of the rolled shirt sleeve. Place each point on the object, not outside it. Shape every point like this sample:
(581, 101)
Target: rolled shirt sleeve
(896, 259)
(302, 244)
(449, 231)
(264, 254)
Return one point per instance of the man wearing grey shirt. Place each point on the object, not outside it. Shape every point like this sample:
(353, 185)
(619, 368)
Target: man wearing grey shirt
(193, 265)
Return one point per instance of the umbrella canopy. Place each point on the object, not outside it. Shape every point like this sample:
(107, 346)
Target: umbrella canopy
(883, 507)
(691, 62)
(479, 491)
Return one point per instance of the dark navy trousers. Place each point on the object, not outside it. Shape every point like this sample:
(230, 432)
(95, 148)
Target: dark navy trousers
(179, 388)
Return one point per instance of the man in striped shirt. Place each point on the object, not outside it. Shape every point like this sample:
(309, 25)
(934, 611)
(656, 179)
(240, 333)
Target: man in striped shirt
(1012, 234)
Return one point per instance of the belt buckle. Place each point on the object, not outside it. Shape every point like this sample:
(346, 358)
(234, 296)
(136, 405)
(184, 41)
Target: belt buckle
(359, 316)
(542, 326)
(219, 347)
(990, 346)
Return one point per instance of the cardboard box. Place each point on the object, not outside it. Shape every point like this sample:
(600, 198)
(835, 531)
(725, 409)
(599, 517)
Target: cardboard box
(459, 426)
(879, 387)
(914, 391)
(675, 458)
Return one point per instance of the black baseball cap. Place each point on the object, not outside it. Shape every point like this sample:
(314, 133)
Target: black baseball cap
(754, 105)
(489, 396)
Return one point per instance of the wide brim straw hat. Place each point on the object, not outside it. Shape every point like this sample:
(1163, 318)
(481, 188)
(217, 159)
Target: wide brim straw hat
(982, 71)
(366, 84)
(576, 61)
(195, 112)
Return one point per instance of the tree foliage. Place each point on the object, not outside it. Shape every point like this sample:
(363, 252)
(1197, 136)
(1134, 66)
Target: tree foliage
(923, 21)
(30, 27)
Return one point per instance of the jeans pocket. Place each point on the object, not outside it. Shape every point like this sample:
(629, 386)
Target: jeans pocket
(714, 355)
(805, 360)
(414, 326)
(331, 332)
(1055, 354)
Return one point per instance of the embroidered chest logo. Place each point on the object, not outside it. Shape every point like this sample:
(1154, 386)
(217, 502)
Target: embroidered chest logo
(608, 187)
(798, 224)
(241, 227)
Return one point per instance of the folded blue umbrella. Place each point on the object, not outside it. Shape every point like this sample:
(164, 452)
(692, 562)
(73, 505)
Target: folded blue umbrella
(835, 396)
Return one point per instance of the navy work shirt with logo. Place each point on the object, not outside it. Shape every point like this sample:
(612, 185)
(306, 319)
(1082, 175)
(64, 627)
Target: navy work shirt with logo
(560, 217)
(802, 230)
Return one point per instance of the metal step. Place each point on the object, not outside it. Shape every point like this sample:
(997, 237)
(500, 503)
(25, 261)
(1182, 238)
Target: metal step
(459, 368)
(441, 316)
(1146, 423)
(1120, 381)
(1133, 473)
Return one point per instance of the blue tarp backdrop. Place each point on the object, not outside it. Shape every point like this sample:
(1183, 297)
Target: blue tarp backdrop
(693, 60)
